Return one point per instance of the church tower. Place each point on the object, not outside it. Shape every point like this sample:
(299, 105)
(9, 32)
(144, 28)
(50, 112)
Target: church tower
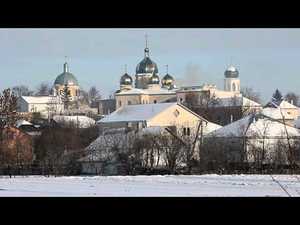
(146, 71)
(232, 81)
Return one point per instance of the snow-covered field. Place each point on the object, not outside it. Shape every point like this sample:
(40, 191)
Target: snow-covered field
(202, 185)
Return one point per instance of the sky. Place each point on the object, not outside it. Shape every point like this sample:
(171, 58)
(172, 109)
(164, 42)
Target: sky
(267, 59)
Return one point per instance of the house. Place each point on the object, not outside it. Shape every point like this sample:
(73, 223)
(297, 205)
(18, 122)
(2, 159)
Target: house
(103, 154)
(282, 110)
(175, 115)
(256, 137)
(29, 128)
(45, 105)
(121, 128)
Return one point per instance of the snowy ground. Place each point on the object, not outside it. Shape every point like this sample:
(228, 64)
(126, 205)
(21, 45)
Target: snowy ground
(204, 185)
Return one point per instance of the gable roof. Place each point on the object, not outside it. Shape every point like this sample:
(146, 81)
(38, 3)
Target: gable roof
(255, 124)
(142, 112)
(282, 104)
(40, 99)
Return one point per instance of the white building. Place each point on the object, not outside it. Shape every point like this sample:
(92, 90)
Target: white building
(256, 134)
(46, 105)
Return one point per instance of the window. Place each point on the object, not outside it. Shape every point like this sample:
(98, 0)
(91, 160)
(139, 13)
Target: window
(176, 113)
(120, 103)
(233, 87)
(188, 131)
(32, 108)
(154, 101)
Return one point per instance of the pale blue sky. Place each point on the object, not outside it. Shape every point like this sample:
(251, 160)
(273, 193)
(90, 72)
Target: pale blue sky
(266, 58)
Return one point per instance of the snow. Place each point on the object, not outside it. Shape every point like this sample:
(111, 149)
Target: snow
(136, 112)
(170, 185)
(258, 126)
(22, 123)
(41, 99)
(277, 113)
(81, 121)
(286, 105)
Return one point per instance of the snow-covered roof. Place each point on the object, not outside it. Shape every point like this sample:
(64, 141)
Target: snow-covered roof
(22, 123)
(286, 105)
(40, 99)
(255, 125)
(277, 113)
(132, 113)
(134, 91)
(81, 121)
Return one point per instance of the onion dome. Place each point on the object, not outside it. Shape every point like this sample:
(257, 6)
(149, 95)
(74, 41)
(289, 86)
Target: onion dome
(231, 72)
(126, 80)
(147, 65)
(167, 80)
(154, 79)
(66, 78)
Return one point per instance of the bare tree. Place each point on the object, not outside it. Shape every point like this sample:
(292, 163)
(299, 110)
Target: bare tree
(8, 117)
(292, 97)
(22, 90)
(93, 94)
(251, 94)
(43, 89)
(66, 97)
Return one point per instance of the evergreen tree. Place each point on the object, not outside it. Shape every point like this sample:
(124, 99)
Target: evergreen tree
(66, 97)
(277, 96)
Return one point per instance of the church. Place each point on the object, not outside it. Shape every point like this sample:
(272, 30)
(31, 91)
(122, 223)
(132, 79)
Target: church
(67, 79)
(147, 88)
(219, 106)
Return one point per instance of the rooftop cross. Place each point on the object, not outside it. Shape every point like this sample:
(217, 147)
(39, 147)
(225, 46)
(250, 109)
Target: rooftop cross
(167, 68)
(66, 68)
(146, 39)
(125, 68)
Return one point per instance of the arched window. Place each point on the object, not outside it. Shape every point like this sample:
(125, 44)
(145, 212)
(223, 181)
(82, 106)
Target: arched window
(120, 103)
(233, 87)
(129, 102)
(154, 101)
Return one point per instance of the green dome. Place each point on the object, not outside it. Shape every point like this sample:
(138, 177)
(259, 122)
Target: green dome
(66, 78)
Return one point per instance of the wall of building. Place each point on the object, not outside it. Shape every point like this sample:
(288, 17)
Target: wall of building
(175, 116)
(74, 90)
(141, 99)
